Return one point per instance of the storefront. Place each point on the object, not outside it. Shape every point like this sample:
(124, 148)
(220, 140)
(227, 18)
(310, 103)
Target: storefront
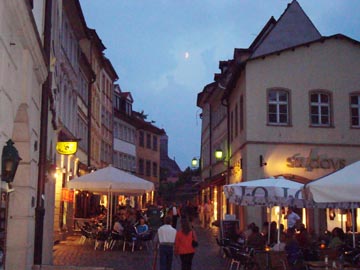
(299, 163)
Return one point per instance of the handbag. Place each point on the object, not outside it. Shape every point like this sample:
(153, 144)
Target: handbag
(194, 243)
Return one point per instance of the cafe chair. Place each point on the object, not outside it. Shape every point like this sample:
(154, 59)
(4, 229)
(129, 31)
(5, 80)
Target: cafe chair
(148, 239)
(86, 235)
(113, 239)
(278, 260)
(130, 238)
(100, 239)
(232, 260)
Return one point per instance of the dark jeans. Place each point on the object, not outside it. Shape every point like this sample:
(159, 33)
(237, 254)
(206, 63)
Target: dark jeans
(174, 221)
(166, 256)
(186, 261)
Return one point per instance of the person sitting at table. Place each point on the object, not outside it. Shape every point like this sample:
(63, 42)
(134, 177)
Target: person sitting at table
(142, 230)
(256, 240)
(118, 227)
(274, 233)
(303, 237)
(337, 239)
(248, 230)
(142, 227)
(292, 249)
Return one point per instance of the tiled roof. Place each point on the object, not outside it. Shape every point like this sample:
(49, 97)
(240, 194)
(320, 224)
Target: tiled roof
(292, 28)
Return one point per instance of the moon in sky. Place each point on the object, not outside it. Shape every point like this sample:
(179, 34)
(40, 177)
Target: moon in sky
(187, 55)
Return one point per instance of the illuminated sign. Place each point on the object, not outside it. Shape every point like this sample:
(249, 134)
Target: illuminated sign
(66, 148)
(67, 195)
(315, 161)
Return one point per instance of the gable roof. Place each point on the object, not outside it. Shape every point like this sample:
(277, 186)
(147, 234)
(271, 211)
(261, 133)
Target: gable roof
(292, 28)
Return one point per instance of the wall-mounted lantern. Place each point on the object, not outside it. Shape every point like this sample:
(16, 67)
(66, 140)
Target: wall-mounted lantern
(219, 155)
(10, 160)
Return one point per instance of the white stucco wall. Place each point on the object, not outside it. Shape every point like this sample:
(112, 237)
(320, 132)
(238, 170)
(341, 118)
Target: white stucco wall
(333, 65)
(22, 72)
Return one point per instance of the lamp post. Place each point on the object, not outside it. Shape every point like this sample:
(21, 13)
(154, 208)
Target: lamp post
(10, 160)
(219, 155)
(195, 163)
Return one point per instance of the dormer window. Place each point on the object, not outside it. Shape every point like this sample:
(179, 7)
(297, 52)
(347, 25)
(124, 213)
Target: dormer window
(128, 108)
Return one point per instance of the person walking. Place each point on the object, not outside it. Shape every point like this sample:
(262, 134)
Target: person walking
(175, 215)
(183, 244)
(166, 238)
(208, 209)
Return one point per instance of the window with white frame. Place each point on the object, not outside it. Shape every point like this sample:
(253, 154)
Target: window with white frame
(320, 108)
(278, 107)
(355, 110)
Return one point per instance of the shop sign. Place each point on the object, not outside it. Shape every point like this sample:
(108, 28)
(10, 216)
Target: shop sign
(66, 148)
(237, 168)
(315, 161)
(67, 195)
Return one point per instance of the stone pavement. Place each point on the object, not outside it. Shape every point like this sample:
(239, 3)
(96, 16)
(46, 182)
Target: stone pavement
(70, 254)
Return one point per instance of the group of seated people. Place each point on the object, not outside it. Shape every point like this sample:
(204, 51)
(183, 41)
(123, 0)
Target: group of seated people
(297, 242)
(128, 224)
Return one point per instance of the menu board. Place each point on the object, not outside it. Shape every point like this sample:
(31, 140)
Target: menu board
(228, 228)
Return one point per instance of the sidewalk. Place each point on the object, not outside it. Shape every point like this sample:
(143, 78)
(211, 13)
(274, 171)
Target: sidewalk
(70, 254)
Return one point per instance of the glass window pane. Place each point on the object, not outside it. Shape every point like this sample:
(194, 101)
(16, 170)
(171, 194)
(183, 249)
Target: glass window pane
(324, 98)
(272, 95)
(314, 110)
(354, 111)
(283, 96)
(314, 119)
(324, 119)
(314, 98)
(355, 121)
(272, 118)
(324, 110)
(272, 108)
(283, 108)
(355, 100)
(283, 118)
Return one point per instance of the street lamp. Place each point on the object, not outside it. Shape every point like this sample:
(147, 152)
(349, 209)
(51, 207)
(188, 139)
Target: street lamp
(219, 155)
(9, 162)
(194, 162)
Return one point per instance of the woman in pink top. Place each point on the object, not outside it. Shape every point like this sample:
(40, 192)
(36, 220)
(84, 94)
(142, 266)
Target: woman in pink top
(183, 244)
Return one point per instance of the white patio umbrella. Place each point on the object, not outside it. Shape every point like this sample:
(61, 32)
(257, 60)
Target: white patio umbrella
(267, 192)
(340, 189)
(111, 180)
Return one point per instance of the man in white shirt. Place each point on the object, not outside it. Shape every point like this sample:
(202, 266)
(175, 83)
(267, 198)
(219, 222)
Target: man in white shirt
(292, 218)
(166, 239)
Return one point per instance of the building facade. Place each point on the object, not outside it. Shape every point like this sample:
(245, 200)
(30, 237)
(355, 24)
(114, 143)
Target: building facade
(292, 101)
(148, 150)
(124, 132)
(108, 77)
(23, 71)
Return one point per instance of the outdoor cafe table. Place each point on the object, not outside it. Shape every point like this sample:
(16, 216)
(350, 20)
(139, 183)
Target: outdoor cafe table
(270, 259)
(328, 265)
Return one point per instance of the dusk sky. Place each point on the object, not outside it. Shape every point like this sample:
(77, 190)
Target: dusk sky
(166, 51)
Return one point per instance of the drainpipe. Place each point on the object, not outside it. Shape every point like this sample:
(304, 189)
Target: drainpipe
(46, 90)
(93, 79)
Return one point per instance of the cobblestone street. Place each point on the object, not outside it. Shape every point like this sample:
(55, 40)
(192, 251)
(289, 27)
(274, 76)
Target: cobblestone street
(72, 253)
